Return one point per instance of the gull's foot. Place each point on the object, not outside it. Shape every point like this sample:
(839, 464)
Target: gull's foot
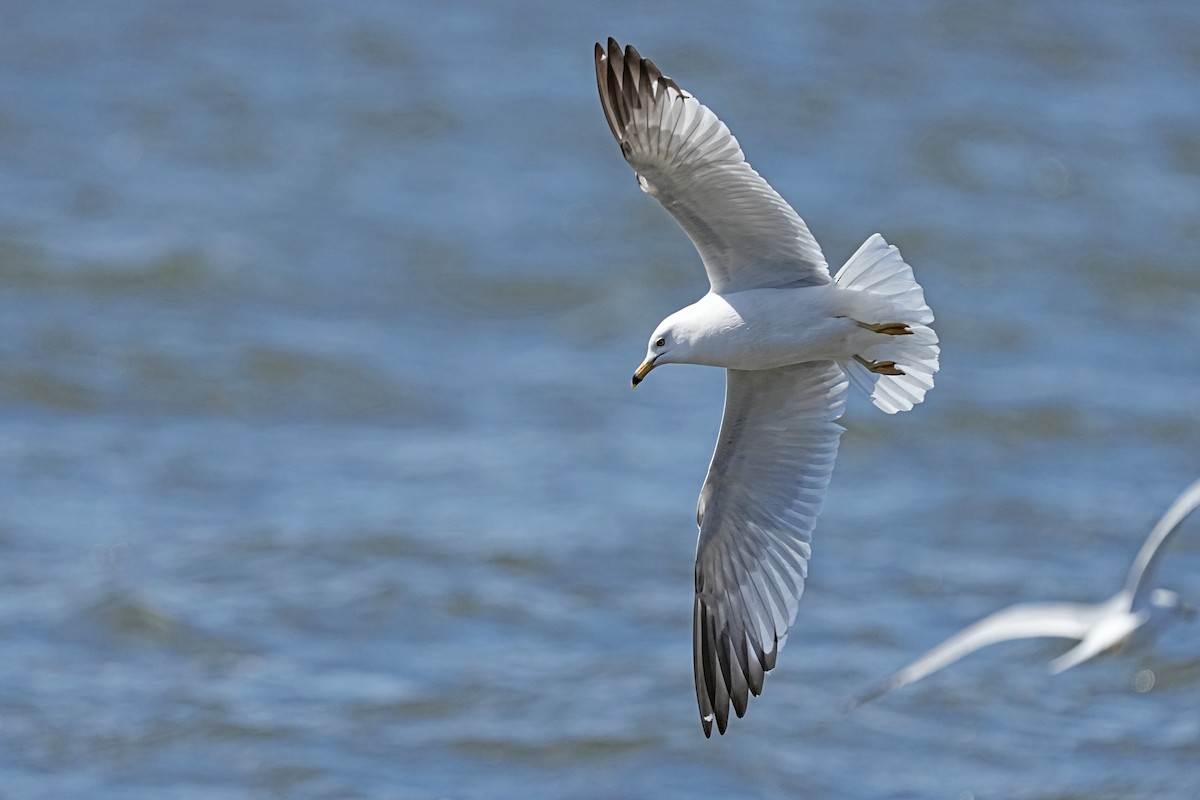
(880, 367)
(888, 328)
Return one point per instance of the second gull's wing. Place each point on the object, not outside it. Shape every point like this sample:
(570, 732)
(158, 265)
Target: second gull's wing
(1020, 621)
(757, 510)
(685, 157)
(1141, 575)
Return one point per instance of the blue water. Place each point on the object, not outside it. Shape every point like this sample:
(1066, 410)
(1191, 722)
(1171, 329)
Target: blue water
(320, 476)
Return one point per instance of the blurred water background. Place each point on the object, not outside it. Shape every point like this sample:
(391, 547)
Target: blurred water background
(320, 475)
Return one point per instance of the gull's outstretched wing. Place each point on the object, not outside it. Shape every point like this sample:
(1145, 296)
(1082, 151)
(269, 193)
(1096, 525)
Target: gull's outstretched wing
(1020, 621)
(1141, 575)
(685, 157)
(757, 510)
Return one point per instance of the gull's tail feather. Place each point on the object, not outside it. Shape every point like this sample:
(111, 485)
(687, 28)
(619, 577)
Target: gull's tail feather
(879, 269)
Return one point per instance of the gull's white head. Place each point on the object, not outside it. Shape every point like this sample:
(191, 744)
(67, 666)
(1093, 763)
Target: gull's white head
(696, 334)
(664, 348)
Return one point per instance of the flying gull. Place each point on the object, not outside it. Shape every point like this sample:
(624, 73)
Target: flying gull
(1139, 607)
(790, 337)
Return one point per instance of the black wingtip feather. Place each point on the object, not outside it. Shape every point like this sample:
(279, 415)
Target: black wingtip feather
(727, 673)
(627, 82)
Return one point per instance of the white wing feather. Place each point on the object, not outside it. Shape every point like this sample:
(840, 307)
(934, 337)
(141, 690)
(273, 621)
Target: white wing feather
(757, 510)
(685, 157)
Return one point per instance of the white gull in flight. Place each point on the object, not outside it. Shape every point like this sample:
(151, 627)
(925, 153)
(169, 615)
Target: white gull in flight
(1139, 607)
(789, 335)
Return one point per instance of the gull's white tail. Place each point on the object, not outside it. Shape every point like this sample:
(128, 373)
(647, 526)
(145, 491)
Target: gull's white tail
(879, 270)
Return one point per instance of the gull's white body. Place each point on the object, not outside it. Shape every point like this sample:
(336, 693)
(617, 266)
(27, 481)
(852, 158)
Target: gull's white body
(758, 328)
(1139, 610)
(791, 337)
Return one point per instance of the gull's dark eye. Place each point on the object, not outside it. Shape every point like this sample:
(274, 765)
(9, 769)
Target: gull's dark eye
(660, 342)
